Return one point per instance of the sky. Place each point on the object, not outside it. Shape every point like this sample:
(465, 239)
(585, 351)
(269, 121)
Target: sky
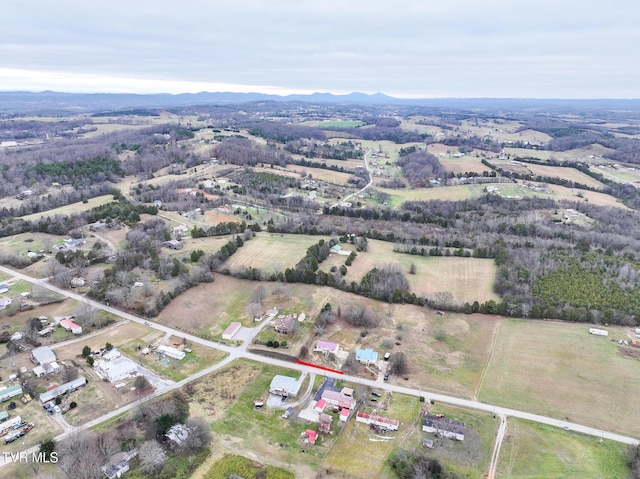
(403, 48)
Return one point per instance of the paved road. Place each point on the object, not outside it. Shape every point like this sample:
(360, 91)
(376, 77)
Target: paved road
(235, 353)
(366, 166)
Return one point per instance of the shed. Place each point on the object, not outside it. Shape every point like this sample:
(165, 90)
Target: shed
(43, 355)
(39, 371)
(320, 405)
(310, 436)
(443, 427)
(231, 330)
(344, 414)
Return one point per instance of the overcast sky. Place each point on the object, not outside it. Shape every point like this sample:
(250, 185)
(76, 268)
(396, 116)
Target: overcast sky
(422, 48)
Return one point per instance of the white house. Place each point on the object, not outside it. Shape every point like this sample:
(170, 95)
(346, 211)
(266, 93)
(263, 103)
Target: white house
(43, 355)
(285, 385)
(118, 369)
(171, 352)
(71, 326)
(63, 389)
(327, 347)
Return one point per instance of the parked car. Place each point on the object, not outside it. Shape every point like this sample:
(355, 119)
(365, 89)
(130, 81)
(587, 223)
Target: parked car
(12, 405)
(376, 394)
(386, 376)
(373, 400)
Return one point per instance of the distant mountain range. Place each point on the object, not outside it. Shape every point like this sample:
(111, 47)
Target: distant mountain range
(24, 102)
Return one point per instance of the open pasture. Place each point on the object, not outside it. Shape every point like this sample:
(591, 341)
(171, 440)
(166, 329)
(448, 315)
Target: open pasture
(560, 370)
(537, 450)
(561, 172)
(467, 279)
(330, 176)
(271, 252)
(453, 193)
(73, 208)
(565, 173)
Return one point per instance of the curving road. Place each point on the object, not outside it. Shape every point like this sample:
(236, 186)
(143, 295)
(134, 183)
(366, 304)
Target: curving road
(240, 352)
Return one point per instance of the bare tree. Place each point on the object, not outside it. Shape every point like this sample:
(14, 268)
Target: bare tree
(79, 456)
(254, 310)
(280, 290)
(398, 363)
(258, 294)
(152, 457)
(86, 314)
(107, 445)
(199, 436)
(141, 383)
(68, 373)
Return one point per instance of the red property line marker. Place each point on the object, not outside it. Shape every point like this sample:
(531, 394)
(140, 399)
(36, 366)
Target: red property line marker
(319, 367)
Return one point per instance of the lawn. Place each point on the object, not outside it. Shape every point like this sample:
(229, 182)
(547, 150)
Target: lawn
(264, 434)
(200, 358)
(560, 370)
(24, 242)
(358, 451)
(532, 450)
(449, 193)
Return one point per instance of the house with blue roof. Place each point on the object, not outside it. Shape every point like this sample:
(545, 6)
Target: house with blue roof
(366, 356)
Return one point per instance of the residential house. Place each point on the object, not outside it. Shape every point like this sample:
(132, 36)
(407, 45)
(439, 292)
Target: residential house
(285, 386)
(379, 421)
(117, 369)
(366, 356)
(442, 426)
(4, 302)
(327, 347)
(42, 355)
(178, 434)
(344, 414)
(180, 229)
(63, 389)
(284, 324)
(9, 392)
(171, 352)
(338, 399)
(118, 464)
(71, 326)
(174, 244)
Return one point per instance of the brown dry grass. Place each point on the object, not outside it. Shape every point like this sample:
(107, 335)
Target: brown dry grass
(271, 252)
(560, 370)
(468, 279)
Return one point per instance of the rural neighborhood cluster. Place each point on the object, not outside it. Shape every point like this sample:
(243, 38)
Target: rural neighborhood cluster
(280, 289)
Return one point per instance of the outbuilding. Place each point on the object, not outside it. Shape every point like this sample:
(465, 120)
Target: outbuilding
(231, 330)
(171, 352)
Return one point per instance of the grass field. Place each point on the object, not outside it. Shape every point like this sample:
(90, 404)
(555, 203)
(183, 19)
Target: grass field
(560, 370)
(564, 173)
(73, 208)
(356, 455)
(468, 279)
(200, 358)
(24, 242)
(329, 176)
(271, 252)
(463, 165)
(532, 450)
(453, 193)
(264, 433)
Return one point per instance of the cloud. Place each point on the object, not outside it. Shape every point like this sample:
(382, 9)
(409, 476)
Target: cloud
(456, 48)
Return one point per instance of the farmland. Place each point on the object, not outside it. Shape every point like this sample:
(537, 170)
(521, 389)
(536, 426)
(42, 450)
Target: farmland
(271, 252)
(78, 207)
(537, 450)
(467, 279)
(571, 361)
(564, 173)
